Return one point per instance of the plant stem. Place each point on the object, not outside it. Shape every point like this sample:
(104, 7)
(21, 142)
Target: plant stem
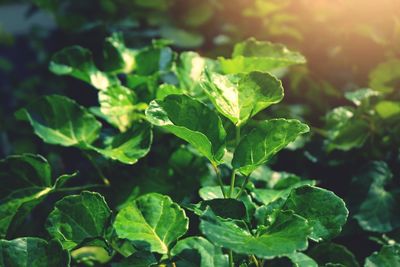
(246, 180)
(78, 188)
(173, 264)
(231, 263)
(255, 261)
(237, 136)
(232, 189)
(98, 170)
(221, 184)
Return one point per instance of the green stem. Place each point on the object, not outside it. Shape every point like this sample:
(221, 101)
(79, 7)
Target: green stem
(246, 180)
(173, 264)
(232, 189)
(255, 261)
(98, 170)
(78, 188)
(231, 263)
(237, 136)
(221, 184)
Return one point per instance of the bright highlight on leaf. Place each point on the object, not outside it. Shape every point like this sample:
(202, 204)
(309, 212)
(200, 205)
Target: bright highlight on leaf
(152, 222)
(253, 55)
(241, 96)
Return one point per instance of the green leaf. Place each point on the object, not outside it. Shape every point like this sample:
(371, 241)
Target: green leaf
(302, 260)
(386, 76)
(208, 193)
(152, 221)
(331, 253)
(32, 252)
(222, 207)
(360, 96)
(269, 195)
(253, 55)
(182, 38)
(118, 58)
(167, 89)
(241, 96)
(79, 218)
(26, 181)
(286, 235)
(91, 254)
(192, 121)
(189, 70)
(130, 146)
(78, 62)
(345, 130)
(327, 219)
(378, 210)
(388, 109)
(263, 142)
(118, 104)
(151, 60)
(138, 259)
(388, 256)
(61, 121)
(198, 252)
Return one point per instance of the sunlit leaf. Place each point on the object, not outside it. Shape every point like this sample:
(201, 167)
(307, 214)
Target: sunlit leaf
(152, 222)
(241, 96)
(263, 142)
(60, 120)
(192, 121)
(78, 62)
(253, 55)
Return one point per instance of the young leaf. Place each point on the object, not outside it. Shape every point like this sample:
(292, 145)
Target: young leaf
(269, 195)
(79, 218)
(265, 141)
(189, 69)
(285, 236)
(26, 181)
(198, 252)
(388, 256)
(118, 104)
(78, 62)
(130, 146)
(241, 96)
(61, 121)
(152, 221)
(209, 193)
(117, 57)
(327, 219)
(32, 252)
(192, 121)
(253, 55)
(222, 207)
